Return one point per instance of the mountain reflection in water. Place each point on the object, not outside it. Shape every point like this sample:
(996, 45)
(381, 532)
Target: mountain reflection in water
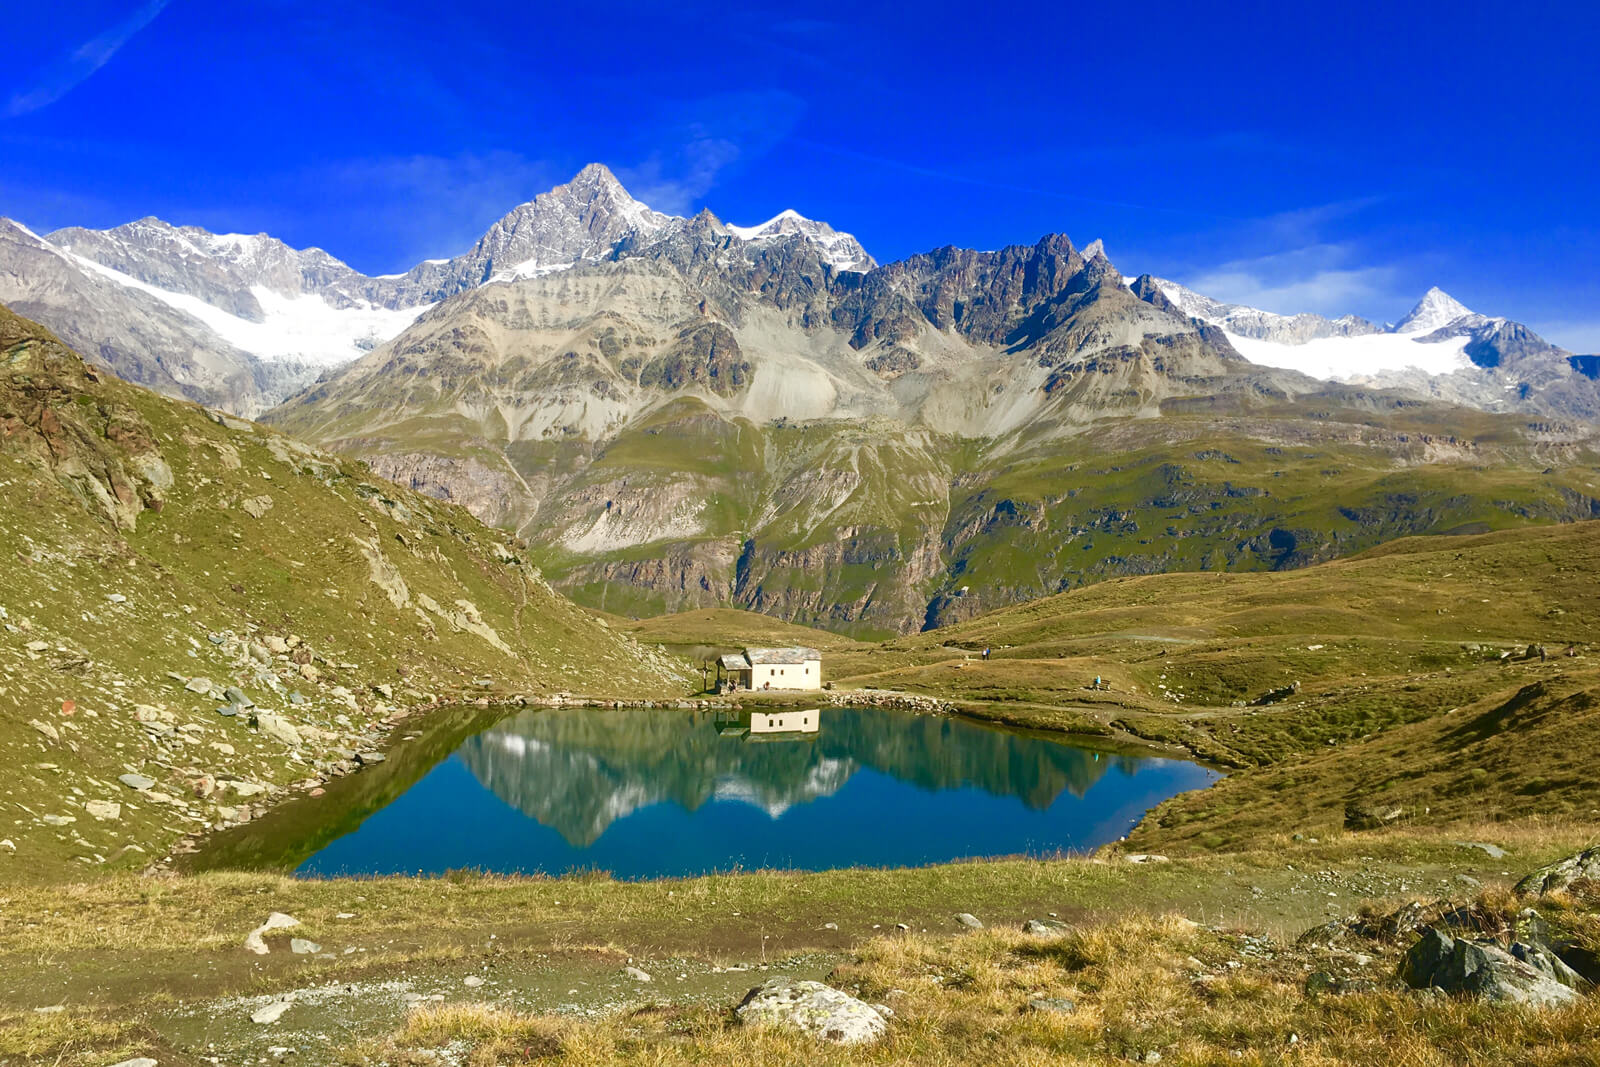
(645, 793)
(579, 770)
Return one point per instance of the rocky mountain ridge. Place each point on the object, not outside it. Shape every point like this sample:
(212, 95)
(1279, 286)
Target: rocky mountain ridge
(704, 419)
(1441, 349)
(278, 316)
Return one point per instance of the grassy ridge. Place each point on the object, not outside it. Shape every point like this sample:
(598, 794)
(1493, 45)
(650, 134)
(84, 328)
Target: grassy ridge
(147, 543)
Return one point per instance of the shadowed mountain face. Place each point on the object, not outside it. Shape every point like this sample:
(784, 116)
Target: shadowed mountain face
(578, 771)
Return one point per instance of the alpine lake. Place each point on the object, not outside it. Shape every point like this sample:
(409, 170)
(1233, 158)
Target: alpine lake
(647, 793)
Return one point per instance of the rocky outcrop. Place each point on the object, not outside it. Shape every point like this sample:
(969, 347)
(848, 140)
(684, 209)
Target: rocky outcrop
(1523, 976)
(1560, 875)
(812, 1008)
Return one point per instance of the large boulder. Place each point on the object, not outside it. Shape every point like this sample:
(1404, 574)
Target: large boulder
(1562, 873)
(1484, 970)
(1368, 814)
(813, 1008)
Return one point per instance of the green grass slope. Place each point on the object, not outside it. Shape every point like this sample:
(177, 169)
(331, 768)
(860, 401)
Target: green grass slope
(145, 543)
(1399, 678)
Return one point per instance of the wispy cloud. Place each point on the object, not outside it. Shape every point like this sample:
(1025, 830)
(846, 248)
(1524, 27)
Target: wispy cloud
(705, 137)
(82, 62)
(1321, 278)
(427, 206)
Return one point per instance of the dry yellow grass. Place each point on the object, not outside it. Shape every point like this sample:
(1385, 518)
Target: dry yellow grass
(1144, 989)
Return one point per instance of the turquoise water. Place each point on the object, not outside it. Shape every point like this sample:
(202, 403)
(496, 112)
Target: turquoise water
(649, 793)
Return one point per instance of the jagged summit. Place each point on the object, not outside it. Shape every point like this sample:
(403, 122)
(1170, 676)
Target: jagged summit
(841, 250)
(583, 219)
(1434, 311)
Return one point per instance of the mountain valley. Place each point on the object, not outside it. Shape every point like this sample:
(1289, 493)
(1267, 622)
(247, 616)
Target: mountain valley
(679, 413)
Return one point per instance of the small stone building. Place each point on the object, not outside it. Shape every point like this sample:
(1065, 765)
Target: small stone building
(766, 669)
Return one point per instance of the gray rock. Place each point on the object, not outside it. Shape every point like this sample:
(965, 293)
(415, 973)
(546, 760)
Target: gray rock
(1494, 852)
(255, 942)
(1559, 875)
(302, 947)
(636, 974)
(1370, 815)
(199, 685)
(1548, 962)
(103, 810)
(137, 1061)
(227, 711)
(370, 757)
(812, 1008)
(136, 781)
(1480, 969)
(237, 697)
(296, 699)
(1044, 927)
(271, 1013)
(278, 728)
(1052, 1005)
(969, 920)
(472, 981)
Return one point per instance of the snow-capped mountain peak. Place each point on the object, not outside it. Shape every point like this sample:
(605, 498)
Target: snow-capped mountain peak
(841, 250)
(583, 219)
(1436, 310)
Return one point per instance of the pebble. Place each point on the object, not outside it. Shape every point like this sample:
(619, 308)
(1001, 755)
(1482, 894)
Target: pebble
(271, 1013)
(472, 981)
(103, 810)
(136, 781)
(970, 921)
(302, 947)
(636, 974)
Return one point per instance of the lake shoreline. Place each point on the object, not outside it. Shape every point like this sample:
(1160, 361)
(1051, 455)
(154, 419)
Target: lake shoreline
(421, 739)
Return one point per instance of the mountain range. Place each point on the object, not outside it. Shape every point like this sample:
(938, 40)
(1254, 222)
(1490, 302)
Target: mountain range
(677, 412)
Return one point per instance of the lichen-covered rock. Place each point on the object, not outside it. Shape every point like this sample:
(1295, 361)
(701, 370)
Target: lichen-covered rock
(813, 1008)
(1562, 873)
(1483, 970)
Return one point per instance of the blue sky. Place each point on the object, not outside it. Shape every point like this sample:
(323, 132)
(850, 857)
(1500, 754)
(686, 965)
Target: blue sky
(1301, 157)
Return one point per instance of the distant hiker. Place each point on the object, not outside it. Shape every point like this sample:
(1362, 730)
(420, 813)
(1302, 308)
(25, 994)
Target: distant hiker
(985, 651)
(1097, 681)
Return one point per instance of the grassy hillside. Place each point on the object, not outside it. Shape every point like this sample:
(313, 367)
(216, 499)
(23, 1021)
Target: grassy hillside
(873, 531)
(149, 544)
(1400, 677)
(707, 629)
